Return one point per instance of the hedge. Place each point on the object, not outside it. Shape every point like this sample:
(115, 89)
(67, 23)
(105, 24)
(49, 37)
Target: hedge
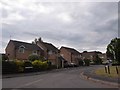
(39, 65)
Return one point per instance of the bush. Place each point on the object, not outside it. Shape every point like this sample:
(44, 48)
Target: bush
(4, 57)
(81, 62)
(44, 65)
(33, 57)
(39, 65)
(49, 63)
(20, 65)
(87, 62)
(98, 60)
(36, 64)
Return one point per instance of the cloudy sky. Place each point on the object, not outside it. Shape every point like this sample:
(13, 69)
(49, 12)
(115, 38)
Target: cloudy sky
(82, 25)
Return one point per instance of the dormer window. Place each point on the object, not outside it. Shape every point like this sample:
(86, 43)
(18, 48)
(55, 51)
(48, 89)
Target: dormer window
(21, 49)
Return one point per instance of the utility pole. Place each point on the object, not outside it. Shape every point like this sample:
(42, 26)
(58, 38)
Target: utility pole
(57, 57)
(62, 63)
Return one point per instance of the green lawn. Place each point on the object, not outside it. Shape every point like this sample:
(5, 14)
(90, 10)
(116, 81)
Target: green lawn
(113, 73)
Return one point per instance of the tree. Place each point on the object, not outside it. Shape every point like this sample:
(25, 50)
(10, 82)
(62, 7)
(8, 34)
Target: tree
(97, 60)
(113, 50)
(87, 62)
(4, 57)
(35, 57)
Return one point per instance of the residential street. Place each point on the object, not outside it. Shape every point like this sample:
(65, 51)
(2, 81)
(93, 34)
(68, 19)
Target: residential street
(69, 78)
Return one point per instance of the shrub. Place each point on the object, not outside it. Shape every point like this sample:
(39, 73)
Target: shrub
(36, 64)
(4, 57)
(33, 57)
(49, 63)
(20, 65)
(81, 62)
(87, 62)
(44, 65)
(98, 60)
(39, 65)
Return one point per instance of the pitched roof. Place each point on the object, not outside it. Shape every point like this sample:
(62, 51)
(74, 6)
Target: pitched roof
(92, 52)
(50, 46)
(28, 46)
(72, 50)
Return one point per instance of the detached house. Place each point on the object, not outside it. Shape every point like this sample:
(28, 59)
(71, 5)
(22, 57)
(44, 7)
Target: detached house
(51, 53)
(90, 55)
(103, 56)
(70, 55)
(21, 50)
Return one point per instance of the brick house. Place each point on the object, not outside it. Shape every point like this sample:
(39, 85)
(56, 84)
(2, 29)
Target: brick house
(51, 53)
(103, 56)
(90, 55)
(21, 50)
(70, 55)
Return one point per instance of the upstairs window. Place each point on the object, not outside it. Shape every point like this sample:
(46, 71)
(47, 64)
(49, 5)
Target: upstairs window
(21, 49)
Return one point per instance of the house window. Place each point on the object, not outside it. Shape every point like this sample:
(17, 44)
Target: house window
(21, 49)
(35, 52)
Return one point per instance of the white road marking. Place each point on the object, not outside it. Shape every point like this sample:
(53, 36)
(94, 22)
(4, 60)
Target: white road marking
(28, 84)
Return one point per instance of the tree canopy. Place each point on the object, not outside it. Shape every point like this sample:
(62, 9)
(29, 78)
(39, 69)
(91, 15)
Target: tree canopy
(113, 50)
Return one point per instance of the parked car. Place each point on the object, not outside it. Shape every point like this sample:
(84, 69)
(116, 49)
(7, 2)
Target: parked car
(72, 65)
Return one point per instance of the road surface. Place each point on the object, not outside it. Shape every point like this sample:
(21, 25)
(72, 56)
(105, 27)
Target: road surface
(69, 78)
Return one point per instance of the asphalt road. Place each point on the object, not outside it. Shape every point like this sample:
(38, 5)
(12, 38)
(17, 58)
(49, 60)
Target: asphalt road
(69, 78)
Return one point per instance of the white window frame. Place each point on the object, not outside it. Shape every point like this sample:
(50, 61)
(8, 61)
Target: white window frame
(21, 49)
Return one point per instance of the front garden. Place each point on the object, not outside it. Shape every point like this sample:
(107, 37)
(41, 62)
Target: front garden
(34, 64)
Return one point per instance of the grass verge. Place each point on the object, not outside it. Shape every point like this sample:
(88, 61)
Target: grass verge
(113, 72)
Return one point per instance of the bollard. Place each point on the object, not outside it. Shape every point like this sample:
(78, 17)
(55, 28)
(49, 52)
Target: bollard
(105, 69)
(108, 69)
(117, 69)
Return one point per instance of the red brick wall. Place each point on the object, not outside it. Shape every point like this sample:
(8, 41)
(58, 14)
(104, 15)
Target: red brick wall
(23, 56)
(42, 46)
(51, 57)
(66, 54)
(15, 54)
(89, 55)
(10, 50)
(74, 58)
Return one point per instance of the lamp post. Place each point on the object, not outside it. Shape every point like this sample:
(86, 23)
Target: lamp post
(57, 57)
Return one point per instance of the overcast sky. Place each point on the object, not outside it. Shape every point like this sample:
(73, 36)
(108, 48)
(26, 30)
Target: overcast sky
(81, 25)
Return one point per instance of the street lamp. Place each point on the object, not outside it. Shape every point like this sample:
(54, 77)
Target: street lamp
(57, 57)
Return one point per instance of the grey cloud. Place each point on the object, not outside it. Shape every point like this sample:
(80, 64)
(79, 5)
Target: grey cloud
(87, 30)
